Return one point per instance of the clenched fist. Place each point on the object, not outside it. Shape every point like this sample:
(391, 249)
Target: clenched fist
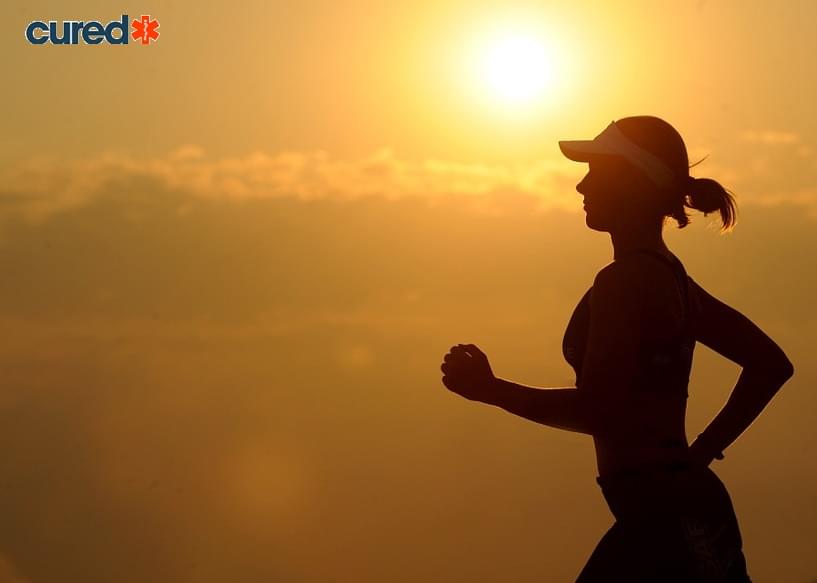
(466, 371)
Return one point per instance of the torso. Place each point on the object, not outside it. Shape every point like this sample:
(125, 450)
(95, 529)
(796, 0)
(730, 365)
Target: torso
(657, 433)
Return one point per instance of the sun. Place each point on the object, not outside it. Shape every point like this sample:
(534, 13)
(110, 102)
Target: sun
(513, 70)
(517, 68)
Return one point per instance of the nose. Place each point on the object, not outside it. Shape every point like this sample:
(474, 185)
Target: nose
(581, 186)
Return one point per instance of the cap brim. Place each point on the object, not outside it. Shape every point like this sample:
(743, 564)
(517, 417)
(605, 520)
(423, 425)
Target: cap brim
(579, 150)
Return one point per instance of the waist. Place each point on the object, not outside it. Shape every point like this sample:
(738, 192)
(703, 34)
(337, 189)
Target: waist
(615, 477)
(639, 453)
(668, 490)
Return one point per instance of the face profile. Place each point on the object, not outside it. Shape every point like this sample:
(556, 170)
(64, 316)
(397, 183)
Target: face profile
(616, 195)
(644, 159)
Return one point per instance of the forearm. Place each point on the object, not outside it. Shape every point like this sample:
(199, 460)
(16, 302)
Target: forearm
(753, 391)
(562, 407)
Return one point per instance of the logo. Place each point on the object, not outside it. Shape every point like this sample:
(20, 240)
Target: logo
(145, 29)
(93, 32)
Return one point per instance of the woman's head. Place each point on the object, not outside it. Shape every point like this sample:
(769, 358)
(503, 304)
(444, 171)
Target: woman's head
(647, 179)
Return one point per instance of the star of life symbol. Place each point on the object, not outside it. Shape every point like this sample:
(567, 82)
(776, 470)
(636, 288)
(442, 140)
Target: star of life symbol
(144, 29)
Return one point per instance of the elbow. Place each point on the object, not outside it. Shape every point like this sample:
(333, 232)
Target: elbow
(787, 370)
(780, 369)
(784, 369)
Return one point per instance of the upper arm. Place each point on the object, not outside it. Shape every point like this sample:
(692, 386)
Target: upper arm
(731, 334)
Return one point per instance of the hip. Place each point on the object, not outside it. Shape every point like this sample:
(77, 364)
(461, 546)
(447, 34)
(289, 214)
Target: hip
(679, 514)
(684, 492)
(665, 490)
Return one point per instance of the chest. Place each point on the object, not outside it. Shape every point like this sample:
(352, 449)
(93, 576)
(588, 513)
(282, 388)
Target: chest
(665, 356)
(575, 337)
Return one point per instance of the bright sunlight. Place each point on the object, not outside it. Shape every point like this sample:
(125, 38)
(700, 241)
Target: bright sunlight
(517, 69)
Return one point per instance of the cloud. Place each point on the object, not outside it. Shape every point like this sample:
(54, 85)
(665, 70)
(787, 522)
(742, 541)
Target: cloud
(803, 197)
(41, 186)
(770, 137)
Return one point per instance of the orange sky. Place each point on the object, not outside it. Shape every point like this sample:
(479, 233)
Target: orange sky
(235, 259)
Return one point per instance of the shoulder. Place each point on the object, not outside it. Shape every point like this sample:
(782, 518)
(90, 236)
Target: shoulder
(636, 273)
(637, 283)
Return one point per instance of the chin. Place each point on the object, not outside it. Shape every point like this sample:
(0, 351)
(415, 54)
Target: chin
(595, 225)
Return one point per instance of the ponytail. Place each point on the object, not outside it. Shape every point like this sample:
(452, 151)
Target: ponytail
(707, 195)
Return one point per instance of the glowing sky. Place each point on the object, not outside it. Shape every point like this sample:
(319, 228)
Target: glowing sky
(234, 260)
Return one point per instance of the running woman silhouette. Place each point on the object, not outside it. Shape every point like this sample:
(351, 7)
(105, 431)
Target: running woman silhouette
(630, 341)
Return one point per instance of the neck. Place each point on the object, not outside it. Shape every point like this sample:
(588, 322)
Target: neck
(627, 239)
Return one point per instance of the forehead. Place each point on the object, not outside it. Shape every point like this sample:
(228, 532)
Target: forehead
(603, 161)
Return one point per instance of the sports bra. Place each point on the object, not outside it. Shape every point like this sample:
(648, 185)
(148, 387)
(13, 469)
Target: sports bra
(666, 364)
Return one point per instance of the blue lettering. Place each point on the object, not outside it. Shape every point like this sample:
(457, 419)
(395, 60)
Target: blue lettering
(76, 26)
(93, 33)
(37, 25)
(69, 32)
(66, 32)
(123, 26)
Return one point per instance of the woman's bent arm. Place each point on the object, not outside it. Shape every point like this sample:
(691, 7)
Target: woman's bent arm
(753, 391)
(563, 407)
(765, 368)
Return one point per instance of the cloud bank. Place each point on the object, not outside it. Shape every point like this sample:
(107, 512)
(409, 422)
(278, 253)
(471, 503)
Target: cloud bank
(36, 188)
(39, 187)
